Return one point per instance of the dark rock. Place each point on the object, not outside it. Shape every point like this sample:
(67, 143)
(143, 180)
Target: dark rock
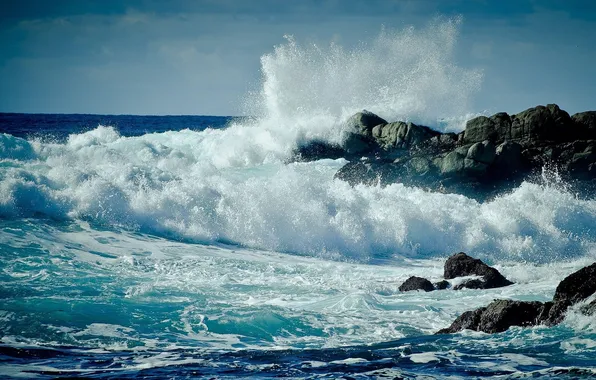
(461, 265)
(416, 283)
(574, 288)
(498, 316)
(577, 286)
(586, 121)
(317, 150)
(542, 123)
(496, 129)
(589, 309)
(441, 285)
(470, 320)
(491, 156)
(501, 314)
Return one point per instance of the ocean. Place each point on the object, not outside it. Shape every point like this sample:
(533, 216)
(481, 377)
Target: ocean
(163, 247)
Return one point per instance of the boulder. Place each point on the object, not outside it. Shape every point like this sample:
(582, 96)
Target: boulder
(543, 123)
(358, 136)
(498, 316)
(574, 288)
(462, 265)
(441, 285)
(586, 123)
(416, 283)
(496, 129)
(317, 150)
(401, 135)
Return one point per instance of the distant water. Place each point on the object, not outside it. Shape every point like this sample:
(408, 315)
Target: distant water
(186, 246)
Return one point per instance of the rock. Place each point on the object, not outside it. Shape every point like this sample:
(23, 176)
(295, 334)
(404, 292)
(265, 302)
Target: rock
(470, 320)
(317, 150)
(416, 283)
(542, 124)
(491, 156)
(586, 123)
(441, 285)
(577, 286)
(574, 288)
(462, 265)
(509, 159)
(358, 136)
(501, 314)
(401, 135)
(498, 316)
(364, 122)
(496, 129)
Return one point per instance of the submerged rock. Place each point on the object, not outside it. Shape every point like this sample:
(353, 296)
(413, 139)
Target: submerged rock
(462, 265)
(416, 283)
(499, 315)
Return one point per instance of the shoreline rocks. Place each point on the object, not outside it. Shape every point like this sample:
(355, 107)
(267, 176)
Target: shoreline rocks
(492, 155)
(500, 315)
(456, 266)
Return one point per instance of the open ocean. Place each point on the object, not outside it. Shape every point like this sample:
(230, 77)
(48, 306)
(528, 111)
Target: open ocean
(187, 246)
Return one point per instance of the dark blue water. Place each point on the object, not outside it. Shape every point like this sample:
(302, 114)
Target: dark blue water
(185, 247)
(59, 126)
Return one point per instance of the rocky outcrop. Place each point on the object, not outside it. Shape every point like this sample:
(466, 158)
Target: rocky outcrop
(462, 265)
(492, 155)
(416, 283)
(499, 315)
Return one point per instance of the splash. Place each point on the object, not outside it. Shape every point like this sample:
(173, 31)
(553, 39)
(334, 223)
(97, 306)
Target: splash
(408, 74)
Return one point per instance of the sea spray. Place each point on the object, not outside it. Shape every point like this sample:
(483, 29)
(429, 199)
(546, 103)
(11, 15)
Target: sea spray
(408, 74)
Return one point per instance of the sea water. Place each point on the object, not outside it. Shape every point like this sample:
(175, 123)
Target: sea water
(175, 247)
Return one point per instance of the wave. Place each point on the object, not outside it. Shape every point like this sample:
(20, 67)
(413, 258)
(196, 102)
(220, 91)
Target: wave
(231, 185)
(169, 184)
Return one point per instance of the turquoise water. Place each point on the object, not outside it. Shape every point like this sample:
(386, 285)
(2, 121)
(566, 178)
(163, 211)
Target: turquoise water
(151, 255)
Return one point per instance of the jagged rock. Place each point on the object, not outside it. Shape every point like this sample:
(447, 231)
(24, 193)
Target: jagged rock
(462, 265)
(501, 314)
(498, 316)
(416, 283)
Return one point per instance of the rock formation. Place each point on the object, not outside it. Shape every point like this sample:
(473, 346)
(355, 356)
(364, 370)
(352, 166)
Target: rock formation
(499, 315)
(491, 155)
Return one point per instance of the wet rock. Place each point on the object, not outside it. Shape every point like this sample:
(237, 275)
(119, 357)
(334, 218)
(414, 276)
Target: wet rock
(586, 122)
(543, 123)
(441, 285)
(574, 288)
(358, 137)
(416, 283)
(470, 320)
(462, 265)
(317, 150)
(498, 316)
(491, 156)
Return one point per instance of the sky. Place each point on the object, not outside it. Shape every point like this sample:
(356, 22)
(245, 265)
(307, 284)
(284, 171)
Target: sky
(201, 57)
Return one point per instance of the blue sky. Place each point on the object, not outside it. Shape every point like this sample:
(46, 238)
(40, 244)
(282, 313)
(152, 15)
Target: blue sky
(202, 56)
